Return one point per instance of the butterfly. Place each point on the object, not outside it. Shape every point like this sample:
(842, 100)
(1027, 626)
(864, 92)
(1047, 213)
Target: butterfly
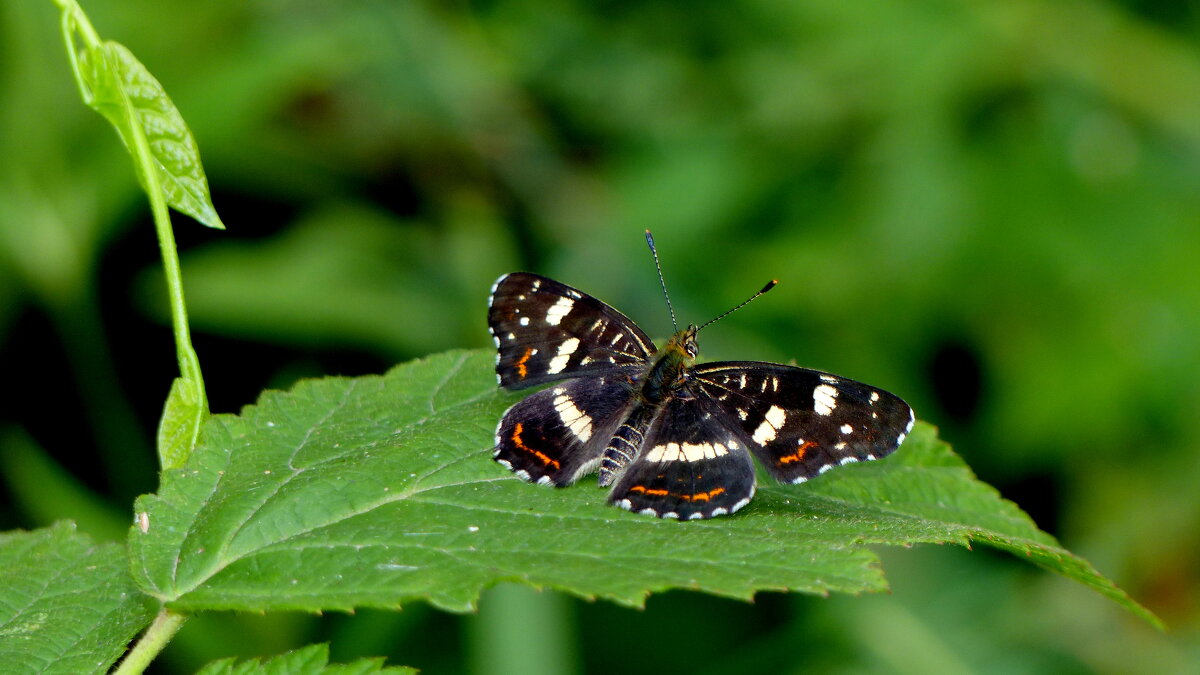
(672, 438)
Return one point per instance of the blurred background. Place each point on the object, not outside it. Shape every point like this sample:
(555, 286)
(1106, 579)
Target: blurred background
(990, 208)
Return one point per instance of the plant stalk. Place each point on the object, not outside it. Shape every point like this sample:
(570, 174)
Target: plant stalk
(156, 637)
(75, 21)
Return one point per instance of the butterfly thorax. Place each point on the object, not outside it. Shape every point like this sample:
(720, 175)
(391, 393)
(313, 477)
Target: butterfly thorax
(670, 365)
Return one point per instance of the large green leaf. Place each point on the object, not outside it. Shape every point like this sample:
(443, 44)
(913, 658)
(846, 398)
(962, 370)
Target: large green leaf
(67, 605)
(379, 490)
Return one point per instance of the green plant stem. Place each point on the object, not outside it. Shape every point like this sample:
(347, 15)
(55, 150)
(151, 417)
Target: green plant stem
(156, 637)
(75, 21)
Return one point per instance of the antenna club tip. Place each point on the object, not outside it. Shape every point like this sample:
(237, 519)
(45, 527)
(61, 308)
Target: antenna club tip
(770, 284)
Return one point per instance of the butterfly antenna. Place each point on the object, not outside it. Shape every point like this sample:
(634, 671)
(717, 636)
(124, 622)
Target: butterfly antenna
(661, 281)
(769, 286)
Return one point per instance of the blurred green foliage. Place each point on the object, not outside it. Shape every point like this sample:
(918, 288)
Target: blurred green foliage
(988, 207)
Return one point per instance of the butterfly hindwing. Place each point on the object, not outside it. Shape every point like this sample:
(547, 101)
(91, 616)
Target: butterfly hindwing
(800, 422)
(546, 331)
(557, 434)
(691, 465)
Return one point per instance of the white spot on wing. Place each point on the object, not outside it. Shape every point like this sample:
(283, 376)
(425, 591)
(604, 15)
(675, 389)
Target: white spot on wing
(524, 321)
(776, 416)
(846, 428)
(560, 309)
(565, 350)
(824, 399)
(772, 421)
(574, 418)
(686, 452)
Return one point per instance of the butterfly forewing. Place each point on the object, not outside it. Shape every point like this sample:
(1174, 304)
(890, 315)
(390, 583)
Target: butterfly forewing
(692, 465)
(800, 422)
(546, 331)
(559, 433)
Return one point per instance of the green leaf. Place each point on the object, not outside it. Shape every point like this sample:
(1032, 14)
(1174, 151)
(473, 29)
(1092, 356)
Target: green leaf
(122, 90)
(310, 660)
(67, 605)
(380, 490)
(179, 426)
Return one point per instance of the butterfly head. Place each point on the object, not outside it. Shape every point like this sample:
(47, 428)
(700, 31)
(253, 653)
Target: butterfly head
(683, 344)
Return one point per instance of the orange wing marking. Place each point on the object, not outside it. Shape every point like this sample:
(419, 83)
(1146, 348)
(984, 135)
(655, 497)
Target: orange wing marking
(516, 438)
(697, 497)
(798, 455)
(522, 371)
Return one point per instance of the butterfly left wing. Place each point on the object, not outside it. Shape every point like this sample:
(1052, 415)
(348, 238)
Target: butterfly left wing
(546, 331)
(800, 422)
(558, 434)
(692, 464)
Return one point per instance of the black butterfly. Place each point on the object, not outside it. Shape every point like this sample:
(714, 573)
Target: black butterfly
(673, 438)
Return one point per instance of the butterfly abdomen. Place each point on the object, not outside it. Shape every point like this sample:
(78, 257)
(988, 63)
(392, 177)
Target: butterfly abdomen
(625, 444)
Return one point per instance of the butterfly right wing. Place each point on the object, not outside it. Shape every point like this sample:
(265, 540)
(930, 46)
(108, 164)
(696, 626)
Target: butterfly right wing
(799, 422)
(558, 434)
(693, 464)
(546, 331)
